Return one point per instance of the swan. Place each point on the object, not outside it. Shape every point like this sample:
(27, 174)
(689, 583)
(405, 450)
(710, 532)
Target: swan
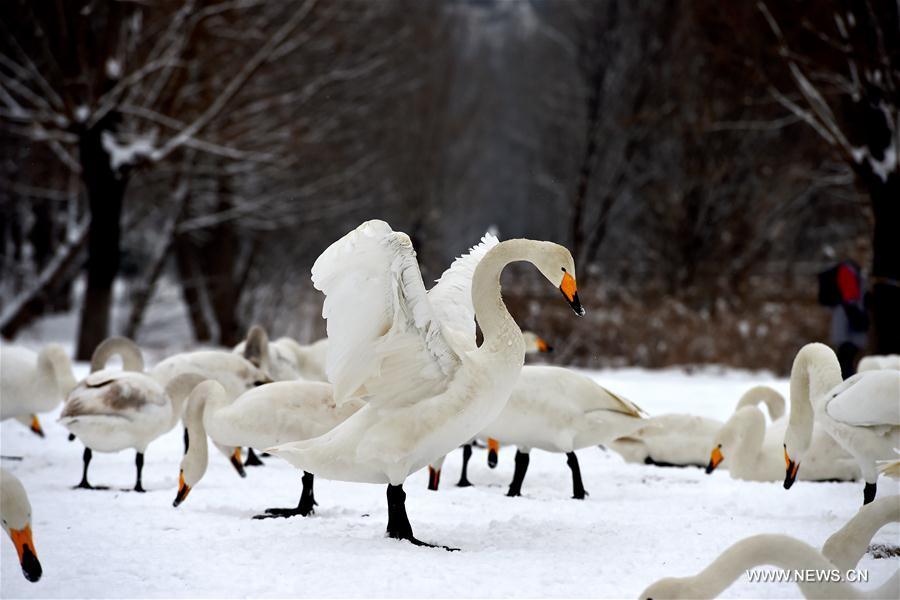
(33, 382)
(861, 414)
(265, 416)
(15, 511)
(754, 453)
(291, 360)
(841, 552)
(558, 410)
(111, 409)
(876, 362)
(681, 440)
(412, 356)
(534, 344)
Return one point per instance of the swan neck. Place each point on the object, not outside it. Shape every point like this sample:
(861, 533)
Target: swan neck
(812, 375)
(498, 327)
(196, 459)
(777, 550)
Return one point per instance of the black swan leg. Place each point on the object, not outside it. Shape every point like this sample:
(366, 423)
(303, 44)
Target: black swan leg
(577, 486)
(253, 459)
(84, 485)
(463, 476)
(139, 464)
(522, 459)
(305, 507)
(398, 526)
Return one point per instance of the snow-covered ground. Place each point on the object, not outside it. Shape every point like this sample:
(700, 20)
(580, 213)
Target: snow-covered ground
(639, 524)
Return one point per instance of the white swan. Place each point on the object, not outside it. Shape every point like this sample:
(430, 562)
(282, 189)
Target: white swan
(755, 453)
(412, 356)
(861, 414)
(15, 511)
(558, 410)
(291, 360)
(841, 552)
(876, 362)
(680, 440)
(265, 416)
(33, 383)
(111, 409)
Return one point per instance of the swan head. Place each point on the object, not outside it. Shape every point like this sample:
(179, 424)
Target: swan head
(557, 265)
(15, 511)
(535, 343)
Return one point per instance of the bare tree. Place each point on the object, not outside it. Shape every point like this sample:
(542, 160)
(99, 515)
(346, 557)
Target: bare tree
(840, 67)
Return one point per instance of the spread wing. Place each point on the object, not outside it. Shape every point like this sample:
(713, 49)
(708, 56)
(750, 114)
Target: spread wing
(384, 338)
(451, 296)
(866, 399)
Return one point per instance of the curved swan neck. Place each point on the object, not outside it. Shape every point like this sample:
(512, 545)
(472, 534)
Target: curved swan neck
(815, 371)
(128, 351)
(204, 398)
(57, 362)
(499, 328)
(769, 549)
(764, 394)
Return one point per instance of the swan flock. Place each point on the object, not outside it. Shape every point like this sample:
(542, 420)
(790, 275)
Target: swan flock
(402, 380)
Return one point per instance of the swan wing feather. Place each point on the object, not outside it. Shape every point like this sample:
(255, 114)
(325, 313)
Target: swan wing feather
(383, 335)
(451, 296)
(870, 398)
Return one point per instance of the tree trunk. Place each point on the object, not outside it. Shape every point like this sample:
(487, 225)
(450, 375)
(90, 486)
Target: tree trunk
(191, 287)
(885, 300)
(105, 189)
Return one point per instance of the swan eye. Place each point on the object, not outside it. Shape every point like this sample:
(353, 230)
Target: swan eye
(563, 269)
(258, 383)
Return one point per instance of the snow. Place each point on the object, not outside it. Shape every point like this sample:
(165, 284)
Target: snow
(128, 152)
(639, 524)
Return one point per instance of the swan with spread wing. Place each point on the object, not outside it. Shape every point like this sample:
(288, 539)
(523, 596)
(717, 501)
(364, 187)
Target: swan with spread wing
(412, 356)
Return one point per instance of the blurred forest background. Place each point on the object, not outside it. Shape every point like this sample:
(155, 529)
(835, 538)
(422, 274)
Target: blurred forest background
(169, 170)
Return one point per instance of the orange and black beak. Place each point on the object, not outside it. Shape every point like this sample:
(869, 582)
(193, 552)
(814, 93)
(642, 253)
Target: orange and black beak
(237, 463)
(790, 473)
(434, 478)
(36, 426)
(543, 346)
(715, 459)
(493, 449)
(570, 292)
(183, 490)
(31, 567)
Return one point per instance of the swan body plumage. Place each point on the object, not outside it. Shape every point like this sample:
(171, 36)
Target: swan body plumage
(685, 440)
(558, 410)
